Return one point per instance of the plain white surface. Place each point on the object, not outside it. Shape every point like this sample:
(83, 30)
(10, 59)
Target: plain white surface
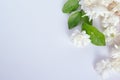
(35, 44)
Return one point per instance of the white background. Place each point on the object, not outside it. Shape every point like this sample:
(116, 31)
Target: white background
(35, 44)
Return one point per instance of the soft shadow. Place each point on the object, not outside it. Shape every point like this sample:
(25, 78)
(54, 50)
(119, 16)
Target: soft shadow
(98, 57)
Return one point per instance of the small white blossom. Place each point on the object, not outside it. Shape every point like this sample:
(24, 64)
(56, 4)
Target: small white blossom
(110, 33)
(107, 67)
(111, 20)
(97, 11)
(102, 65)
(115, 63)
(80, 39)
(103, 68)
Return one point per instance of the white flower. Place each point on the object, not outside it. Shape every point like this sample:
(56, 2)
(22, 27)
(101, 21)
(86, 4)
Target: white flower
(97, 11)
(102, 66)
(105, 68)
(115, 64)
(110, 33)
(108, 73)
(80, 39)
(98, 8)
(112, 20)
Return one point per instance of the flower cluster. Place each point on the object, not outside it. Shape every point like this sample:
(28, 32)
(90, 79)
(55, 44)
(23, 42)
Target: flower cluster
(108, 11)
(111, 65)
(80, 39)
(107, 67)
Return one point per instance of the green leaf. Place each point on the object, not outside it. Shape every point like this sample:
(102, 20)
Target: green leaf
(96, 36)
(85, 18)
(78, 17)
(74, 19)
(70, 5)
